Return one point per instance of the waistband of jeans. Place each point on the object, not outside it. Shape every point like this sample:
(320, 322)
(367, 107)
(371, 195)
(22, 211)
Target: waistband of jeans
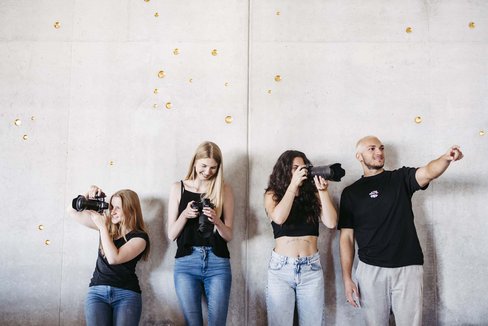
(201, 248)
(295, 260)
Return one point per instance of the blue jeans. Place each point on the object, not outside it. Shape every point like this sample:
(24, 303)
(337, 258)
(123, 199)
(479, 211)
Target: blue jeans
(108, 305)
(299, 280)
(198, 272)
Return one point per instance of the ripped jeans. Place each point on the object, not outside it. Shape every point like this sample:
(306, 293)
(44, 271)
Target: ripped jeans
(299, 280)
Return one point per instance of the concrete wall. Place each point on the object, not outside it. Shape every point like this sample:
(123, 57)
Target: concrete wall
(88, 113)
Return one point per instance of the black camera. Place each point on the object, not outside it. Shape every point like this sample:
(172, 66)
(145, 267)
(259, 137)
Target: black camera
(332, 172)
(98, 204)
(205, 227)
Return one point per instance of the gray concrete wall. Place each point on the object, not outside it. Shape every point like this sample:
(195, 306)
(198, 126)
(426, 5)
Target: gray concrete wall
(84, 96)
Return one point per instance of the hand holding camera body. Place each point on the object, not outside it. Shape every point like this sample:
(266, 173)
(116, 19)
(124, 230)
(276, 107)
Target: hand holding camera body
(204, 225)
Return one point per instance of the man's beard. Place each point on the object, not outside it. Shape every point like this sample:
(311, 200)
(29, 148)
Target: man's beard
(374, 167)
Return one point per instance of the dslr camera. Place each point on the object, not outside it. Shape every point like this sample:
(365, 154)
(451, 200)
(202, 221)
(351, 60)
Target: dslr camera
(333, 172)
(97, 204)
(205, 227)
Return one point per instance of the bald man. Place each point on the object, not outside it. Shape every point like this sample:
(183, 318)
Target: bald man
(376, 212)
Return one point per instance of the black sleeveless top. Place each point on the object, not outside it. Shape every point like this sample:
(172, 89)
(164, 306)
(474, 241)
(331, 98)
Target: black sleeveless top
(296, 224)
(190, 236)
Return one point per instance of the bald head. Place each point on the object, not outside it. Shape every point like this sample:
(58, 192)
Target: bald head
(370, 153)
(367, 141)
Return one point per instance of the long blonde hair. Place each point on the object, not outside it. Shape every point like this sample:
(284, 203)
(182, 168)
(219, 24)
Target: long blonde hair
(132, 221)
(215, 191)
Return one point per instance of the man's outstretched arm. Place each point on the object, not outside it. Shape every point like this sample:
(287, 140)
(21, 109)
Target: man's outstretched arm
(436, 168)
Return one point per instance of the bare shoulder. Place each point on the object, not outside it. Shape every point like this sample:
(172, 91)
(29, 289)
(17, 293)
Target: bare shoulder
(227, 187)
(176, 189)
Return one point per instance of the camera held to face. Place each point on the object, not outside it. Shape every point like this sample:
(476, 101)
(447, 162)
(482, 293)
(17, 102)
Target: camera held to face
(204, 225)
(333, 172)
(98, 204)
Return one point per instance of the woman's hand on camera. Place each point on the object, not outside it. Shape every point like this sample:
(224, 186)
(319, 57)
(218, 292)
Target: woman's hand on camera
(190, 212)
(93, 192)
(298, 177)
(211, 214)
(321, 183)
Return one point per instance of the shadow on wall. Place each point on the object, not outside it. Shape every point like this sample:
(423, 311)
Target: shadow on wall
(236, 174)
(326, 238)
(154, 209)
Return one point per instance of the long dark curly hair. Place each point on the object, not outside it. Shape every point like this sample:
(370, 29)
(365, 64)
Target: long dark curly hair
(279, 180)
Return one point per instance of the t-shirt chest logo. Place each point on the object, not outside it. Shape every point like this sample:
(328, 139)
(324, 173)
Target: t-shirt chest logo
(374, 194)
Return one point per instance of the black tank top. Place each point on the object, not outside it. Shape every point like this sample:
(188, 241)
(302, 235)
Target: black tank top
(296, 224)
(190, 236)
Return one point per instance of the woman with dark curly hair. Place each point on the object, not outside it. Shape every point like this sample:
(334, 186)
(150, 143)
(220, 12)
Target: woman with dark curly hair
(296, 205)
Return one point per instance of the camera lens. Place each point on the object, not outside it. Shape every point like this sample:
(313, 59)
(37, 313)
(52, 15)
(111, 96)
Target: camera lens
(79, 203)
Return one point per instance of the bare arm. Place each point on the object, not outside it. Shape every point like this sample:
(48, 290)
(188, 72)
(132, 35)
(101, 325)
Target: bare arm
(176, 222)
(329, 213)
(436, 168)
(83, 217)
(346, 244)
(224, 227)
(278, 212)
(114, 255)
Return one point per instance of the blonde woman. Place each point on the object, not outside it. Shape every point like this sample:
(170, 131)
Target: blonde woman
(200, 215)
(114, 295)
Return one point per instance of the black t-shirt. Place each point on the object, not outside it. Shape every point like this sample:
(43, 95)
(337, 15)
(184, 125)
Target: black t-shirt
(190, 236)
(122, 275)
(379, 209)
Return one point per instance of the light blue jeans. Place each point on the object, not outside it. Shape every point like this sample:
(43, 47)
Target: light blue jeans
(106, 306)
(299, 280)
(198, 272)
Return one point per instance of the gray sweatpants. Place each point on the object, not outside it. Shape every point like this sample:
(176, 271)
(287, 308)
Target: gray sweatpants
(399, 289)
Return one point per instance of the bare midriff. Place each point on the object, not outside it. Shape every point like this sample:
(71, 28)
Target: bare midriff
(296, 246)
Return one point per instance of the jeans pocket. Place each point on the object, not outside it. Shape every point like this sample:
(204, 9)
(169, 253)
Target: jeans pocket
(315, 265)
(275, 264)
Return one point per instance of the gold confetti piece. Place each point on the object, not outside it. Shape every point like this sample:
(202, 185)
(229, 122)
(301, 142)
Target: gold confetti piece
(146, 0)
(214, 52)
(47, 242)
(40, 227)
(228, 119)
(161, 74)
(33, 118)
(269, 91)
(176, 51)
(472, 25)
(226, 84)
(156, 14)
(57, 25)
(190, 80)
(156, 91)
(482, 132)
(25, 137)
(418, 119)
(168, 105)
(277, 78)
(409, 29)
(17, 122)
(155, 106)
(111, 163)
(278, 13)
